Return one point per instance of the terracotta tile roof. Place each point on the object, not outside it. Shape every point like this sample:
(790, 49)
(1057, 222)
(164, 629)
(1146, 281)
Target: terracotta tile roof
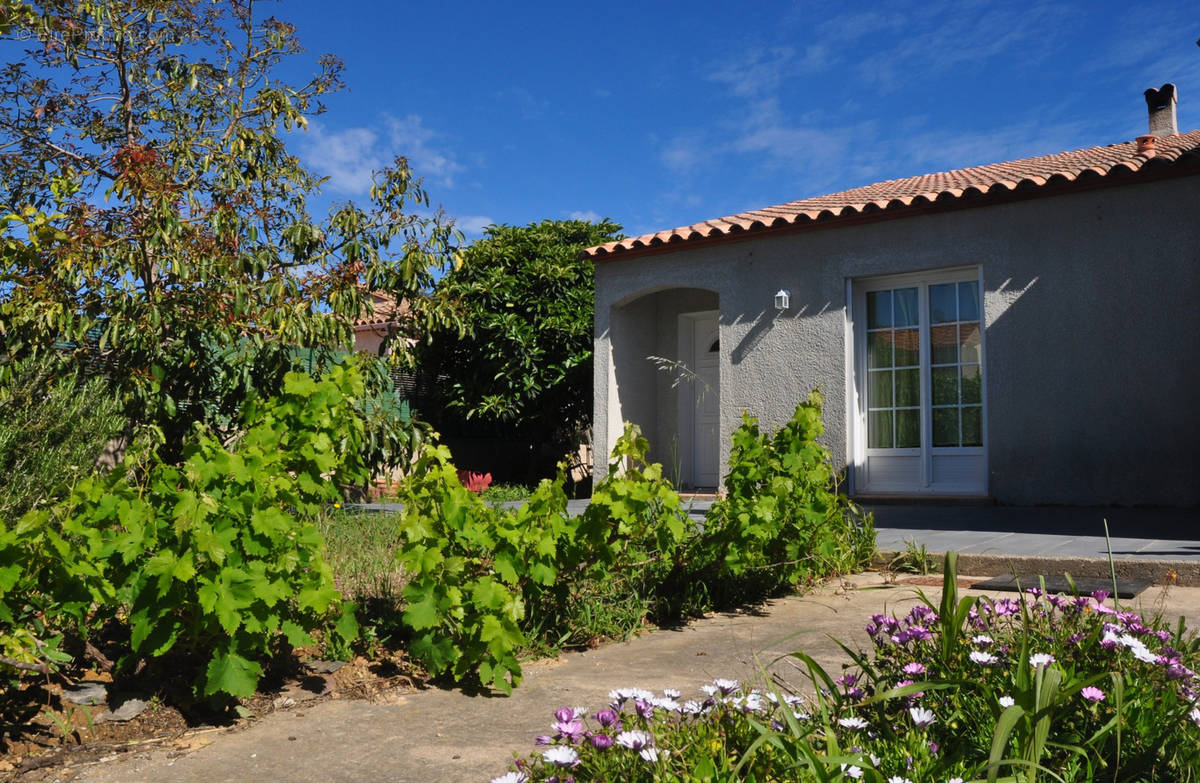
(381, 311)
(1048, 172)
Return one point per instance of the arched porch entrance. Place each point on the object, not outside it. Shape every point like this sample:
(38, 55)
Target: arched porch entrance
(664, 364)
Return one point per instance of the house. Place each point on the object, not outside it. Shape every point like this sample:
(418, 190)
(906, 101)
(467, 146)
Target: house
(1027, 332)
(383, 316)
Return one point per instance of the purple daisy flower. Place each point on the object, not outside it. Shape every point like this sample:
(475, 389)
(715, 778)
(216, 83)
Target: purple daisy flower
(920, 633)
(601, 741)
(607, 718)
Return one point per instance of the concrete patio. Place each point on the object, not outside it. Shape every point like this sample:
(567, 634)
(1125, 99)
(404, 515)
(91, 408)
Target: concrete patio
(1147, 543)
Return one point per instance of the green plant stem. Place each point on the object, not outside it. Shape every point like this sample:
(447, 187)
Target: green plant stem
(1112, 568)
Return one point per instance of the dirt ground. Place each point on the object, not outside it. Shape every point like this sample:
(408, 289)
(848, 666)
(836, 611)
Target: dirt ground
(45, 736)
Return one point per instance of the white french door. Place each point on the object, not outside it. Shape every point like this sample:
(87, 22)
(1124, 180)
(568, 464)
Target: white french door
(918, 382)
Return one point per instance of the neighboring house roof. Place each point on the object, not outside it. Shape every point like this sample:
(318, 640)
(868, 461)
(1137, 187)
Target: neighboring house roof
(1145, 158)
(383, 311)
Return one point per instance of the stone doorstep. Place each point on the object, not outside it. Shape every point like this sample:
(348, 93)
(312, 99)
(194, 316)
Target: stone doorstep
(1154, 571)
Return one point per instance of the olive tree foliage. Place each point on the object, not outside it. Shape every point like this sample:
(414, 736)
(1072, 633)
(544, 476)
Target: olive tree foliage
(524, 371)
(150, 206)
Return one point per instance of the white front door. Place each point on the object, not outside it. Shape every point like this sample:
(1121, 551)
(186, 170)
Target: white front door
(706, 402)
(919, 369)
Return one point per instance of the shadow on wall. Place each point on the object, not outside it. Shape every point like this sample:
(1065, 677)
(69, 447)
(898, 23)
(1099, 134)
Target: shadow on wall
(764, 321)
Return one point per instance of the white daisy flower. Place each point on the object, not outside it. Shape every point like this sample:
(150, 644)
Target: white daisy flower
(561, 756)
(922, 717)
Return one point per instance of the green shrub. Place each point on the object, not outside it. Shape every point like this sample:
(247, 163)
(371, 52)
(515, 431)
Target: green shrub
(216, 561)
(466, 565)
(617, 557)
(782, 518)
(54, 424)
(485, 582)
(51, 578)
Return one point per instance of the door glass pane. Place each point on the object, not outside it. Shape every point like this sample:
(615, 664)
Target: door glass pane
(949, 380)
(972, 384)
(943, 303)
(972, 426)
(943, 343)
(879, 349)
(906, 310)
(968, 301)
(908, 388)
(908, 347)
(945, 426)
(908, 429)
(945, 385)
(881, 389)
(879, 309)
(972, 345)
(879, 430)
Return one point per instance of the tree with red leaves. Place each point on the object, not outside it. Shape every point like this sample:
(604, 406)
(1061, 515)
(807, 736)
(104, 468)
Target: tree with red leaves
(152, 212)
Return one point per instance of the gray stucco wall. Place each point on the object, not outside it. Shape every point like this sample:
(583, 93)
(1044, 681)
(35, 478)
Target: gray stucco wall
(1092, 310)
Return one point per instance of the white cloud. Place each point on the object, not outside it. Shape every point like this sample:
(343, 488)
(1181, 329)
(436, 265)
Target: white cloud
(472, 226)
(764, 123)
(758, 72)
(683, 153)
(411, 138)
(933, 150)
(590, 215)
(941, 38)
(531, 106)
(346, 157)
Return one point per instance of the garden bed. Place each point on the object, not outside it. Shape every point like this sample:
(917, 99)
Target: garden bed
(1037, 686)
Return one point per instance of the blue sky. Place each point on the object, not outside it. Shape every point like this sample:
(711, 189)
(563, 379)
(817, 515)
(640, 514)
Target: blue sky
(665, 114)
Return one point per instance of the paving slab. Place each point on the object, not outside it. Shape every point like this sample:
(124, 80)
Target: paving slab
(450, 735)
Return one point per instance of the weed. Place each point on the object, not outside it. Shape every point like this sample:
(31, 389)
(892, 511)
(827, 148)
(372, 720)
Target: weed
(362, 553)
(505, 493)
(913, 560)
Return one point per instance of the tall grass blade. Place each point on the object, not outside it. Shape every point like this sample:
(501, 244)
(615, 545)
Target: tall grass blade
(1004, 728)
(1112, 568)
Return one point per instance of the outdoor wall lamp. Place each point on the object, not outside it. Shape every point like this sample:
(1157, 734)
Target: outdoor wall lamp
(783, 299)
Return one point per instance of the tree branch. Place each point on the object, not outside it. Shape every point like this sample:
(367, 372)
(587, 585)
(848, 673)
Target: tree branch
(75, 156)
(102, 660)
(40, 668)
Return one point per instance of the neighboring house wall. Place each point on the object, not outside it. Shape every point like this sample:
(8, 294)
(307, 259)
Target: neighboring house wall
(1092, 335)
(368, 339)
